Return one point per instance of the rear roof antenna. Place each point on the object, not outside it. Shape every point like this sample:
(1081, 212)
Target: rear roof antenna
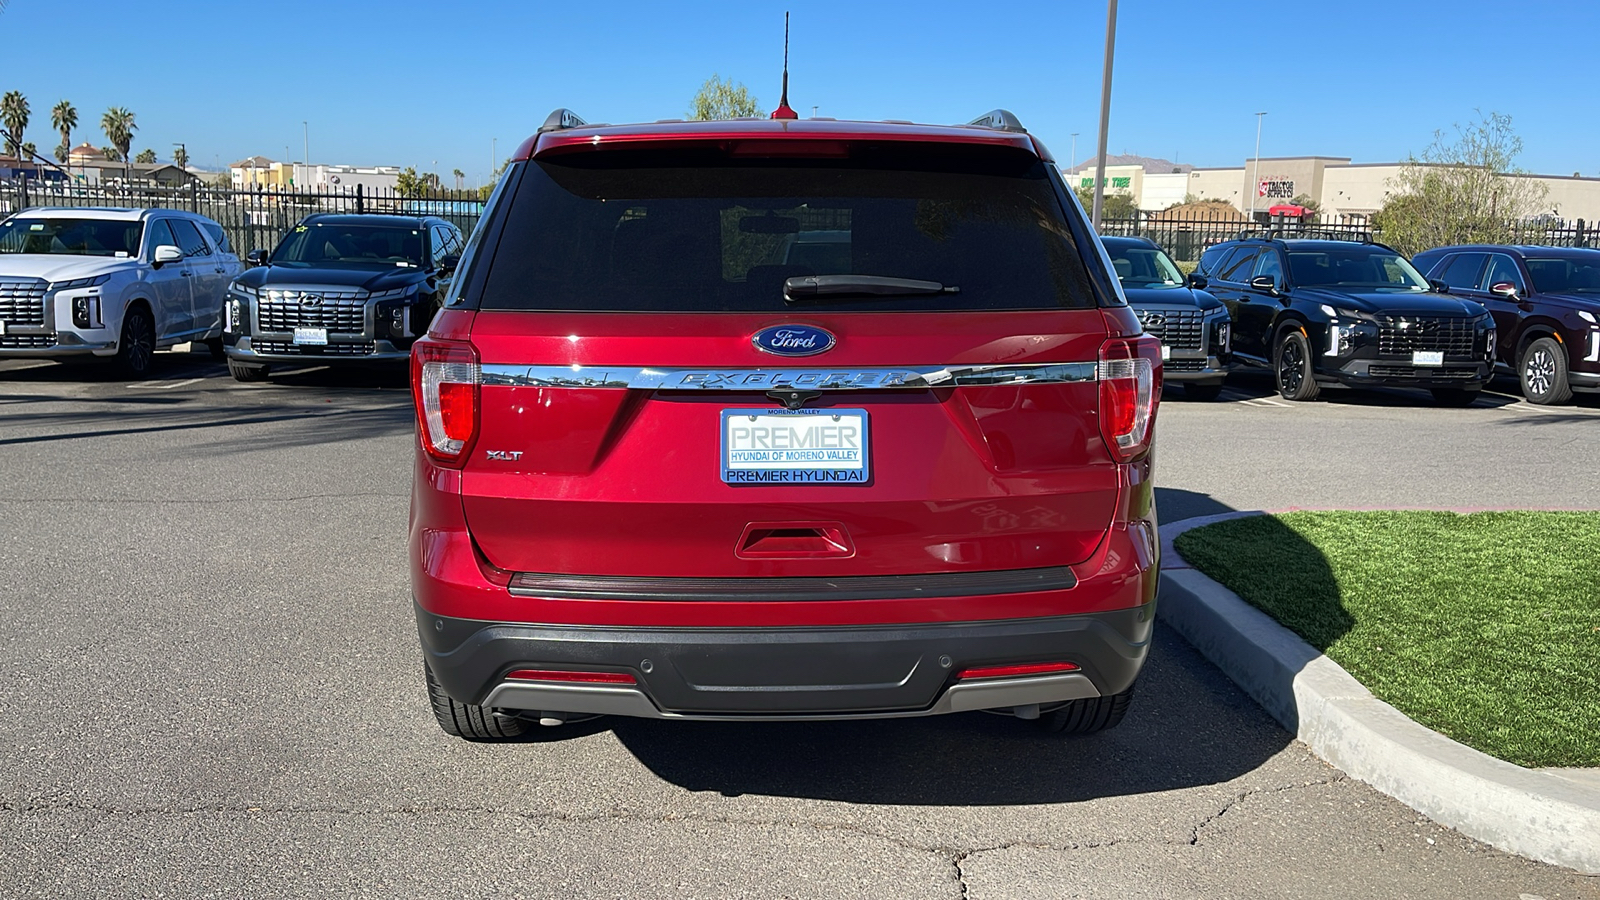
(783, 111)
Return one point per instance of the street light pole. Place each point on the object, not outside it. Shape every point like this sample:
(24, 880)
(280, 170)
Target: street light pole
(1105, 114)
(307, 148)
(1255, 167)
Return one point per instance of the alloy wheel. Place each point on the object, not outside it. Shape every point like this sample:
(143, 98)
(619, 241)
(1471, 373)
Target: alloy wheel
(1291, 367)
(1539, 372)
(139, 342)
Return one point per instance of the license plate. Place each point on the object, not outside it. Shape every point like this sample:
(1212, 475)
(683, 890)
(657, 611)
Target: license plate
(1166, 352)
(313, 336)
(801, 446)
(1427, 358)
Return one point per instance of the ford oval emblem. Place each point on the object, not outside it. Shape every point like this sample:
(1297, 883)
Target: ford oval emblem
(793, 340)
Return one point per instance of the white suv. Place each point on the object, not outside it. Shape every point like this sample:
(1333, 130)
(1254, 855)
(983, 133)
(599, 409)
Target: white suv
(113, 283)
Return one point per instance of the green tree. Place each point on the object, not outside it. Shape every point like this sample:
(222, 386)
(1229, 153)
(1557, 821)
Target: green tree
(410, 185)
(1462, 190)
(64, 118)
(29, 150)
(1116, 204)
(14, 115)
(719, 99)
(181, 157)
(145, 157)
(119, 126)
(111, 154)
(460, 176)
(1313, 208)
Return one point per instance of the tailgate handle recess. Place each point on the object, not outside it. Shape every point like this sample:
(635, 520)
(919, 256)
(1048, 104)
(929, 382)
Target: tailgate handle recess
(795, 540)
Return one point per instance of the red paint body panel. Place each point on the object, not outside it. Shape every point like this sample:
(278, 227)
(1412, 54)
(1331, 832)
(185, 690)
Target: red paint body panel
(602, 137)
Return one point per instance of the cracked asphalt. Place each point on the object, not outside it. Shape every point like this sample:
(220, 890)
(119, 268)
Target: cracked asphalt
(211, 688)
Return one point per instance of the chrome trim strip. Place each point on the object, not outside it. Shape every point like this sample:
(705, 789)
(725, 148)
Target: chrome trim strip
(616, 700)
(835, 379)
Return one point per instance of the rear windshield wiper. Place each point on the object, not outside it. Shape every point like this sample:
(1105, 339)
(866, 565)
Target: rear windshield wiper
(808, 287)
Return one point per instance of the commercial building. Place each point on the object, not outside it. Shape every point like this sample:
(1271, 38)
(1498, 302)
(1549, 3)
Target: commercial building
(259, 171)
(1344, 191)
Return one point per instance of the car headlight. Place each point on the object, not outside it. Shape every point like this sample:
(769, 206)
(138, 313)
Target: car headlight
(404, 293)
(244, 290)
(1586, 316)
(96, 281)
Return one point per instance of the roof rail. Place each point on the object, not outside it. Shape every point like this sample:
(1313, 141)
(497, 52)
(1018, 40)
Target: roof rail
(561, 119)
(1000, 120)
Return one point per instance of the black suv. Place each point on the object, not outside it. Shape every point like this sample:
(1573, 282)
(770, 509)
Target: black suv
(1191, 324)
(1546, 305)
(1340, 312)
(339, 288)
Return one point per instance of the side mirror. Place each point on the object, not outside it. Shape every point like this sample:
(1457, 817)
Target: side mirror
(256, 258)
(1197, 281)
(1437, 286)
(166, 253)
(449, 263)
(1264, 283)
(1504, 289)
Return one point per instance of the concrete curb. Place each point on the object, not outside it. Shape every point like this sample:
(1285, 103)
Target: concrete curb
(1530, 813)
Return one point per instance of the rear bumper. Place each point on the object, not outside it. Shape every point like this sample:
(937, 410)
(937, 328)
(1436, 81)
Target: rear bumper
(786, 673)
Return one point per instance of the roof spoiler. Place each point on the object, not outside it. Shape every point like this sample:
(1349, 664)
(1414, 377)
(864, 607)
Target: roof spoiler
(560, 120)
(1000, 120)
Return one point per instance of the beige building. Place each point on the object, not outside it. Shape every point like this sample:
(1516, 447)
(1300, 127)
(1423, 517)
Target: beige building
(259, 171)
(1345, 191)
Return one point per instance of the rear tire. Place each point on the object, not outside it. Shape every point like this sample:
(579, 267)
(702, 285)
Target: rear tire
(464, 720)
(246, 372)
(1087, 716)
(1291, 365)
(1543, 372)
(136, 351)
(1454, 397)
(1202, 392)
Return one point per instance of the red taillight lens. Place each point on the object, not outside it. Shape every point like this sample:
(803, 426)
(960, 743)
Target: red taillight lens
(444, 387)
(1130, 388)
(579, 677)
(1048, 668)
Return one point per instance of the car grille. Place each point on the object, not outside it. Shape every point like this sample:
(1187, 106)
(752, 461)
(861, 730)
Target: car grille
(1178, 329)
(365, 349)
(22, 301)
(1183, 365)
(1423, 372)
(26, 341)
(341, 311)
(1404, 335)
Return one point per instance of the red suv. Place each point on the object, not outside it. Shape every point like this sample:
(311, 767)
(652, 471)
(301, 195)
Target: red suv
(782, 419)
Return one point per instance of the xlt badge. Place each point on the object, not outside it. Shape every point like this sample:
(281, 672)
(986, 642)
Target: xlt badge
(503, 455)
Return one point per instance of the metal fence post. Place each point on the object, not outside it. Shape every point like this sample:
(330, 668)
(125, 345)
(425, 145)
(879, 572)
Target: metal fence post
(22, 190)
(360, 206)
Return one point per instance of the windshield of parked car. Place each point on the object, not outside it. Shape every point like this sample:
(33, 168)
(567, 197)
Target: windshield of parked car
(71, 237)
(1143, 267)
(702, 230)
(335, 244)
(1566, 276)
(1355, 268)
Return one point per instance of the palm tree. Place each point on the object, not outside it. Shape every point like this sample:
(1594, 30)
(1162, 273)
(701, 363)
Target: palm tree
(64, 118)
(459, 175)
(119, 127)
(181, 157)
(14, 114)
(146, 157)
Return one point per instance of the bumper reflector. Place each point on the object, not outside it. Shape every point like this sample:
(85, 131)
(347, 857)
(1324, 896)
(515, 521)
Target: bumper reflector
(1047, 668)
(582, 677)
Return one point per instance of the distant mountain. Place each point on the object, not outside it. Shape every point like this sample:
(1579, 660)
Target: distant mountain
(1153, 165)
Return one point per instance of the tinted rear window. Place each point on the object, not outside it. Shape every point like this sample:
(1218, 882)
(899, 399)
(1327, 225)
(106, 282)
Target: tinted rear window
(699, 231)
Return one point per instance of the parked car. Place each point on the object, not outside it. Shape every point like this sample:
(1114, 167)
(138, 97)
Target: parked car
(660, 476)
(1322, 312)
(1546, 307)
(117, 284)
(340, 288)
(1193, 326)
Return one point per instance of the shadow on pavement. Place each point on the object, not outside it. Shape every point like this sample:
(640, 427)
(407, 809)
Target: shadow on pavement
(1188, 726)
(1255, 383)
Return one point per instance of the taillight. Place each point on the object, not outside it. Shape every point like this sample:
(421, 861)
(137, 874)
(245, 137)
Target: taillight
(444, 387)
(1130, 388)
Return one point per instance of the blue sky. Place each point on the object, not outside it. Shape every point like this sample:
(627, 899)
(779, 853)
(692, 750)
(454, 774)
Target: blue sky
(432, 85)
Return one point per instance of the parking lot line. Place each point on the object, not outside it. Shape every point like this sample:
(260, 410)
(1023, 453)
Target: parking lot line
(173, 384)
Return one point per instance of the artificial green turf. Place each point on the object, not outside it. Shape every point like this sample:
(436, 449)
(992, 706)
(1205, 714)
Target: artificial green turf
(1483, 627)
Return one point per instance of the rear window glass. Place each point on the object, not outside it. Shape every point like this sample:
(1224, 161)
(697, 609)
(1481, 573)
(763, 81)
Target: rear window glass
(699, 231)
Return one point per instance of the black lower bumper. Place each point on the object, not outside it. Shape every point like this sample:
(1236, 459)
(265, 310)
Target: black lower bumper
(1463, 374)
(829, 672)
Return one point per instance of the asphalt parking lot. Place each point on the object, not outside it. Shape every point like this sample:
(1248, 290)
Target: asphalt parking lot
(212, 686)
